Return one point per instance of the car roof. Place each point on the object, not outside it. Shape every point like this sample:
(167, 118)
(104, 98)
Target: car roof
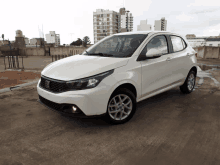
(145, 32)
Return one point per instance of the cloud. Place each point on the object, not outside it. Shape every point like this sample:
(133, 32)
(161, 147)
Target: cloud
(212, 31)
(184, 17)
(205, 3)
(205, 11)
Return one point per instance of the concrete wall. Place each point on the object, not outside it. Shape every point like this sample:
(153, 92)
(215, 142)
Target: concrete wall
(201, 51)
(34, 51)
(66, 50)
(208, 52)
(215, 52)
(37, 51)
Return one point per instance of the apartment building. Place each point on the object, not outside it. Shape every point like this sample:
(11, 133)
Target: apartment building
(126, 20)
(143, 26)
(160, 25)
(105, 23)
(53, 38)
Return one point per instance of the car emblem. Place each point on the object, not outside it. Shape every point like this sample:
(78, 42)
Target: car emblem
(47, 84)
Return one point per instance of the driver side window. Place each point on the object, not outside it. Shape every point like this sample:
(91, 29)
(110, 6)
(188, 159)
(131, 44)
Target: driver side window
(156, 46)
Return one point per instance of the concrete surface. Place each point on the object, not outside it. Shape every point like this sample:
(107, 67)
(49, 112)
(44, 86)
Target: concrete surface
(170, 128)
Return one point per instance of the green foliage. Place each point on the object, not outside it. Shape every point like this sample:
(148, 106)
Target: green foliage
(86, 41)
(78, 42)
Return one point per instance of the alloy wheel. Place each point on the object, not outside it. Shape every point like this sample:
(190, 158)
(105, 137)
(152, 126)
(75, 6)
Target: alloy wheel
(191, 82)
(120, 107)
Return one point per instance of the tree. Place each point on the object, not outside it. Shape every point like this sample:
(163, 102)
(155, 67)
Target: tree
(3, 36)
(78, 42)
(86, 41)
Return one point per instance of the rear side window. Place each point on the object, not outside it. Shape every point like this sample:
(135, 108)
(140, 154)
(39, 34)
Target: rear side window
(178, 43)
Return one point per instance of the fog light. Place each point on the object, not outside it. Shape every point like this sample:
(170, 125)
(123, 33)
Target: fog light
(74, 108)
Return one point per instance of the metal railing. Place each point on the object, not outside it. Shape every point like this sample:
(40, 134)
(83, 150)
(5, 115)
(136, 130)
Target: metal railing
(12, 56)
(13, 62)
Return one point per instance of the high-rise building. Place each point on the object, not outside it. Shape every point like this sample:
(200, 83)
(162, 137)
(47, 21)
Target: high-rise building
(143, 26)
(53, 38)
(105, 23)
(126, 20)
(160, 25)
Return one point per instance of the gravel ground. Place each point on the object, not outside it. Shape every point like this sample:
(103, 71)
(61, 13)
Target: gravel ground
(170, 128)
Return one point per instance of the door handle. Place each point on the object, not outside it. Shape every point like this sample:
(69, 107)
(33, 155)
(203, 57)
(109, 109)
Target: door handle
(168, 59)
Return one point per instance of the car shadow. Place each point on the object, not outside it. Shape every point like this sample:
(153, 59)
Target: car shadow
(145, 108)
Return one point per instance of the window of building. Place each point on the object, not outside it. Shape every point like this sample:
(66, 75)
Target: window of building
(210, 44)
(177, 43)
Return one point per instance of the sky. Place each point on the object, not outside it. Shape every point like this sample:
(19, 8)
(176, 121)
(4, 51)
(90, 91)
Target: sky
(201, 18)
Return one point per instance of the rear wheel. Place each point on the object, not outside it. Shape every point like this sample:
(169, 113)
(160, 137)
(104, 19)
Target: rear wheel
(121, 107)
(189, 83)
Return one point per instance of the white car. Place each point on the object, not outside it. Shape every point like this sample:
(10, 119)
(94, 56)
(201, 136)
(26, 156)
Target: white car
(111, 76)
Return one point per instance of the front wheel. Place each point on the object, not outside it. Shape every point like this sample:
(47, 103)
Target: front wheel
(189, 83)
(121, 107)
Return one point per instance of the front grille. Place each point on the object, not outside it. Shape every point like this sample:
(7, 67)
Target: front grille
(55, 86)
(51, 104)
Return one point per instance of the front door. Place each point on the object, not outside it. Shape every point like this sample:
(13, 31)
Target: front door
(156, 71)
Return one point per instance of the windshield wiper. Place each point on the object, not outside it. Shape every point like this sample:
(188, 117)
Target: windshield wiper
(102, 54)
(87, 52)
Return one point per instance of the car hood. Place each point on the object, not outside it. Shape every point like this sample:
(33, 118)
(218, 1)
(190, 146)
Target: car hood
(80, 66)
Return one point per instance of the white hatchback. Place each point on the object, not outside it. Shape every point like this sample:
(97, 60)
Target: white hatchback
(111, 76)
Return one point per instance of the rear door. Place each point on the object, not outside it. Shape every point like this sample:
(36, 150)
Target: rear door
(180, 58)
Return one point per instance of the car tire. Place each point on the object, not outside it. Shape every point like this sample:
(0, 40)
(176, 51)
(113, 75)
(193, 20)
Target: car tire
(119, 112)
(189, 83)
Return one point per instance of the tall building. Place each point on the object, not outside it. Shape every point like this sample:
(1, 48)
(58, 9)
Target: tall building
(105, 23)
(126, 20)
(53, 38)
(143, 26)
(160, 25)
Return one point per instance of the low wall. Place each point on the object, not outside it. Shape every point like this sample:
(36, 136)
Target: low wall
(208, 52)
(36, 51)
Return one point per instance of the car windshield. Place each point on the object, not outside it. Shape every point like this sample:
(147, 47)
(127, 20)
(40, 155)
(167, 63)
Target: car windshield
(117, 46)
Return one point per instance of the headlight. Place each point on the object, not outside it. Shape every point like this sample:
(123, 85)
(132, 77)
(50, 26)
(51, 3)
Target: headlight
(89, 82)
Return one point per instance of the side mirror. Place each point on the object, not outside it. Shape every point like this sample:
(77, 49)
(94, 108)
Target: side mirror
(152, 53)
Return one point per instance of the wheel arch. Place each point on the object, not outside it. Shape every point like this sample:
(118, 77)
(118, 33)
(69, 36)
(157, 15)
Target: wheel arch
(128, 86)
(194, 68)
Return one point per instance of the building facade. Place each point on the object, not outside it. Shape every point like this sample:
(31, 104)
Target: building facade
(204, 41)
(126, 20)
(197, 42)
(188, 36)
(160, 25)
(26, 40)
(143, 26)
(105, 23)
(52, 37)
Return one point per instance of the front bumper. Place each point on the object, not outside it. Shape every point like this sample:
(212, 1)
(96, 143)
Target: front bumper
(91, 102)
(64, 109)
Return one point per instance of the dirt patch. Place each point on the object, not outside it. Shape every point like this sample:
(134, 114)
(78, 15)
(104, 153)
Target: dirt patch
(12, 78)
